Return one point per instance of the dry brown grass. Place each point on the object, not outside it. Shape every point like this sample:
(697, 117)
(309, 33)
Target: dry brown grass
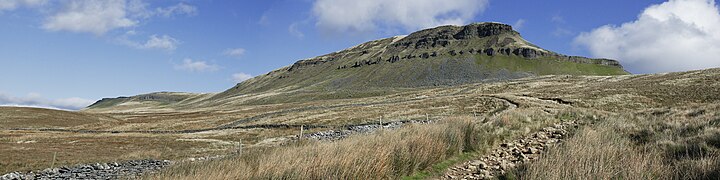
(598, 153)
(23, 117)
(383, 155)
(675, 143)
(21, 151)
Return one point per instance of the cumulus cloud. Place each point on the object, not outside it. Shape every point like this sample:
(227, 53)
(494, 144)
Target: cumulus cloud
(13, 4)
(237, 52)
(36, 100)
(353, 16)
(93, 16)
(196, 66)
(677, 35)
(240, 77)
(100, 16)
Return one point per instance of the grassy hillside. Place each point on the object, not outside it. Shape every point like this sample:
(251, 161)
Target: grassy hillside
(24, 117)
(643, 101)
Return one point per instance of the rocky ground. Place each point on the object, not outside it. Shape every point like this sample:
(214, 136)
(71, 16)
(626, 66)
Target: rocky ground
(115, 170)
(332, 135)
(512, 154)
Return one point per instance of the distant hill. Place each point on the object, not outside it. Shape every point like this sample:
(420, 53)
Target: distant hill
(441, 56)
(153, 101)
(27, 117)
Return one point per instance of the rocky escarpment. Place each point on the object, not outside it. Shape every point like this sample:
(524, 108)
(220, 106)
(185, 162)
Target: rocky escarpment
(489, 39)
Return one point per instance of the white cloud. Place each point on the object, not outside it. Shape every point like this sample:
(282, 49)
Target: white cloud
(36, 100)
(240, 77)
(237, 52)
(196, 66)
(93, 16)
(13, 4)
(519, 24)
(161, 42)
(354, 16)
(100, 16)
(676, 35)
(178, 9)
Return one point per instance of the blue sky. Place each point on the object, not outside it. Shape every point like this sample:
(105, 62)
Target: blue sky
(68, 53)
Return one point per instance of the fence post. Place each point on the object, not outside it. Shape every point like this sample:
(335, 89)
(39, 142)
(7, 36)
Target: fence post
(302, 127)
(427, 117)
(53, 161)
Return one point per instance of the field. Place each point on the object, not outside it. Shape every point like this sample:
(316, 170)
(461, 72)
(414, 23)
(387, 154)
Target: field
(666, 123)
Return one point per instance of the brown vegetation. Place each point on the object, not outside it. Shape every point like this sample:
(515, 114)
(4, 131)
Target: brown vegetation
(384, 155)
(677, 143)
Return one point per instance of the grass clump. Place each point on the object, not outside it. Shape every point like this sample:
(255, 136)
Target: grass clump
(597, 153)
(672, 145)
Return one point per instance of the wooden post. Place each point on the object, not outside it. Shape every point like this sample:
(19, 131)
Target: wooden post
(302, 127)
(53, 161)
(427, 117)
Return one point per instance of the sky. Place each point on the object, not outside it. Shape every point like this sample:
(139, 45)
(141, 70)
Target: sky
(66, 54)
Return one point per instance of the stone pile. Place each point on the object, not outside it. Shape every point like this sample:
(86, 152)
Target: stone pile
(511, 154)
(332, 135)
(128, 169)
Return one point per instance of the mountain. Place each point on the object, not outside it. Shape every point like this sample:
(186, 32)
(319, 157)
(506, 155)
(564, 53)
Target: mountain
(440, 56)
(446, 55)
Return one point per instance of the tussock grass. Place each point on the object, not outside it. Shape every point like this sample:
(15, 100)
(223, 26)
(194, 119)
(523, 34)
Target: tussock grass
(383, 155)
(413, 152)
(678, 143)
(598, 153)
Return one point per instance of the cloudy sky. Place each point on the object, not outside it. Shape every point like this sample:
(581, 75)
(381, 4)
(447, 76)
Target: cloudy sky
(68, 53)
